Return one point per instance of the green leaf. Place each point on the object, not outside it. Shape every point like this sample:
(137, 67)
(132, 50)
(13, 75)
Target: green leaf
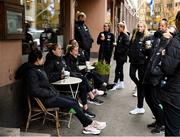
(102, 68)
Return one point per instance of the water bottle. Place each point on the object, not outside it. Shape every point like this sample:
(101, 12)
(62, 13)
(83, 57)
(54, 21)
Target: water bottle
(63, 73)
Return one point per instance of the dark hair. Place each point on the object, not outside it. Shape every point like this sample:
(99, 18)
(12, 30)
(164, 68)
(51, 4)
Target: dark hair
(165, 21)
(73, 42)
(70, 48)
(52, 46)
(178, 16)
(34, 55)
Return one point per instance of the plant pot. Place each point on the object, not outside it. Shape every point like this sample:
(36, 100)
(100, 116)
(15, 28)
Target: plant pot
(105, 78)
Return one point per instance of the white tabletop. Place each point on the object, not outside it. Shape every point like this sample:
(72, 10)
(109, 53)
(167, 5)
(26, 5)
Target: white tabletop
(68, 81)
(81, 67)
(90, 67)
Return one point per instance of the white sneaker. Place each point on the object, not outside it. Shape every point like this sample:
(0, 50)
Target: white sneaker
(134, 94)
(116, 86)
(137, 111)
(99, 125)
(91, 130)
(104, 84)
(122, 84)
(98, 92)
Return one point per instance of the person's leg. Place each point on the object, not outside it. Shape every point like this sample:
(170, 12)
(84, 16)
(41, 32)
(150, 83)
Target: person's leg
(140, 89)
(101, 54)
(68, 103)
(148, 97)
(98, 81)
(108, 56)
(87, 54)
(157, 106)
(83, 92)
(132, 73)
(172, 120)
(117, 72)
(121, 76)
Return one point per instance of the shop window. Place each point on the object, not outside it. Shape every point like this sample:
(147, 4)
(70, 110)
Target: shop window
(38, 13)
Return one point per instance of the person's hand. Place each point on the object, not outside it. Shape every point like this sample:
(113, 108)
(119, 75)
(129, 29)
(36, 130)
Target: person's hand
(167, 35)
(102, 36)
(163, 52)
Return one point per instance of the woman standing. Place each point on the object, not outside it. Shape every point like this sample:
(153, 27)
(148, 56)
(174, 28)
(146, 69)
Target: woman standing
(137, 63)
(82, 35)
(170, 93)
(120, 55)
(105, 40)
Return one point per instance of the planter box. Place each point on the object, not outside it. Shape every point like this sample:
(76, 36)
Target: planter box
(105, 78)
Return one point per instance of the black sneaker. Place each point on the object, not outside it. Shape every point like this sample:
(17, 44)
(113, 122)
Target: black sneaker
(95, 101)
(89, 113)
(152, 125)
(158, 130)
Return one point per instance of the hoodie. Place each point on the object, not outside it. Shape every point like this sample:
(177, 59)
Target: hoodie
(54, 66)
(36, 81)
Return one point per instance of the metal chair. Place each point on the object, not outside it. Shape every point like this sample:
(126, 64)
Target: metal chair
(41, 112)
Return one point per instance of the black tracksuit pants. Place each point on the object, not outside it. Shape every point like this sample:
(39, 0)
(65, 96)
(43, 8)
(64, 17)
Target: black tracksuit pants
(87, 54)
(138, 81)
(172, 120)
(119, 74)
(97, 79)
(84, 89)
(152, 98)
(66, 102)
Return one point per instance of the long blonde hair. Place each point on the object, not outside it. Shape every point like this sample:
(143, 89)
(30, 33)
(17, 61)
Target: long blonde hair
(123, 25)
(146, 33)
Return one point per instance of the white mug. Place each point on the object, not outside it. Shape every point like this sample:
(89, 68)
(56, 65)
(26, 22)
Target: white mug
(87, 63)
(67, 74)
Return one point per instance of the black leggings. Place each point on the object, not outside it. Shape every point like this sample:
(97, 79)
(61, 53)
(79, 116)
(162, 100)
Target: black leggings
(87, 54)
(119, 74)
(138, 81)
(84, 89)
(105, 54)
(66, 102)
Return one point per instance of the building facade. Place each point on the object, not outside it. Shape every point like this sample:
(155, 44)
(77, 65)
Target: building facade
(12, 93)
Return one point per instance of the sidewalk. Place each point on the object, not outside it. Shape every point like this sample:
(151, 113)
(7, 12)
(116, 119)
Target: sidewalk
(115, 111)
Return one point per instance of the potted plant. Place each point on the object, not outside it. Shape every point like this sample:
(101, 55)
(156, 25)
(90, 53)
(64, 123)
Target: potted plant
(103, 70)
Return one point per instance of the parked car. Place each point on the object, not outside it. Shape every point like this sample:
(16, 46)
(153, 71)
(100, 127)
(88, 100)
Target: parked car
(36, 35)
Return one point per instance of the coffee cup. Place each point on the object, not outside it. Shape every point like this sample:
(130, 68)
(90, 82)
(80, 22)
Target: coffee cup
(148, 44)
(67, 74)
(87, 63)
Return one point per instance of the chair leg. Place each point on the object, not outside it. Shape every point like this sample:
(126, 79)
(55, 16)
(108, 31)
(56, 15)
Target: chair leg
(44, 118)
(69, 123)
(28, 120)
(57, 123)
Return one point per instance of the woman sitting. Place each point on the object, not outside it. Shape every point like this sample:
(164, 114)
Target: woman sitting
(71, 61)
(38, 85)
(54, 65)
(81, 60)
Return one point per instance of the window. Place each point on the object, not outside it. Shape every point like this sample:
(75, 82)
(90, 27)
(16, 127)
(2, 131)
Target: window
(39, 13)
